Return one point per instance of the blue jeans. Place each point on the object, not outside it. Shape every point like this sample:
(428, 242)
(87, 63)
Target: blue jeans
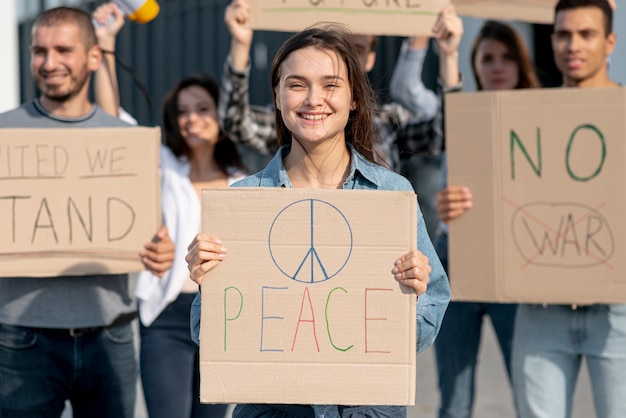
(306, 411)
(41, 368)
(456, 346)
(456, 349)
(548, 347)
(170, 366)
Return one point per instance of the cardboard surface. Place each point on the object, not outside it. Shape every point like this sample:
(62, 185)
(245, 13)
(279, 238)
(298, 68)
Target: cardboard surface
(535, 11)
(304, 308)
(547, 172)
(399, 18)
(407, 17)
(77, 201)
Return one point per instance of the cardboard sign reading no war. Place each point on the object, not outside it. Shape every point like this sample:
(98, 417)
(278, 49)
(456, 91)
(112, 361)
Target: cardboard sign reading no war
(304, 308)
(77, 201)
(547, 171)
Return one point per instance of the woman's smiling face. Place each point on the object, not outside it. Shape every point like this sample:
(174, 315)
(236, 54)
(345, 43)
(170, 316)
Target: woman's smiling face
(197, 117)
(314, 96)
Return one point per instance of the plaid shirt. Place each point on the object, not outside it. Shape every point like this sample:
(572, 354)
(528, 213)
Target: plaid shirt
(249, 124)
(399, 129)
(427, 137)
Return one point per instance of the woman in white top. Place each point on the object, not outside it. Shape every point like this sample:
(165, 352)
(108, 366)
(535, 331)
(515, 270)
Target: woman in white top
(197, 154)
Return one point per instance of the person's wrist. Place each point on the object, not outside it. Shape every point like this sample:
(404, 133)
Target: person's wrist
(451, 54)
(241, 43)
(107, 44)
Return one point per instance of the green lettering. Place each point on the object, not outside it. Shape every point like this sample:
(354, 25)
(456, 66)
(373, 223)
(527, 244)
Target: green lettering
(515, 140)
(569, 149)
(330, 338)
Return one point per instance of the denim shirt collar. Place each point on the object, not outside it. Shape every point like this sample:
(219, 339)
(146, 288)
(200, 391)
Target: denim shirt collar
(362, 172)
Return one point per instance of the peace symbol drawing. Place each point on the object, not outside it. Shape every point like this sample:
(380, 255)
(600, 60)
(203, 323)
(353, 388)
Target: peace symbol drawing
(310, 241)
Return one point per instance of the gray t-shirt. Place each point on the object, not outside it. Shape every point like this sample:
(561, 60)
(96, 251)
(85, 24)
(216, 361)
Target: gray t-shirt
(69, 301)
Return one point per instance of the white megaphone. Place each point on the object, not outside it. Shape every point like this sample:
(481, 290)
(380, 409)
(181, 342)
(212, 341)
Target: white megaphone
(140, 11)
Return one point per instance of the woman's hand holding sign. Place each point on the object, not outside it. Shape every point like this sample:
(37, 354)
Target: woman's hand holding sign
(204, 254)
(157, 255)
(413, 270)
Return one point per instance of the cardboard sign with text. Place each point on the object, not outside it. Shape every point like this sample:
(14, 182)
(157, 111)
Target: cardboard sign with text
(304, 308)
(535, 11)
(547, 171)
(406, 17)
(77, 201)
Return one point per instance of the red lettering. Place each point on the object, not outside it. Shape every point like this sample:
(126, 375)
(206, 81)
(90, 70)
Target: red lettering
(368, 318)
(306, 298)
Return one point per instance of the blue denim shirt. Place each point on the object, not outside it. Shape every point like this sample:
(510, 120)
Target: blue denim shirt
(431, 305)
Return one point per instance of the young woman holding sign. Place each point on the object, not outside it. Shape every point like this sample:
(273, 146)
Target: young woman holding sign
(324, 124)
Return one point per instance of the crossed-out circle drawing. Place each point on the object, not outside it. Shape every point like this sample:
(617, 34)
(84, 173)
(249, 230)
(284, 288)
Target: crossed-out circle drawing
(310, 241)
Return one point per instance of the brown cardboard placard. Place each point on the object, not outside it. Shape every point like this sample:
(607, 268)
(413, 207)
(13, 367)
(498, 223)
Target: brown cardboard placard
(77, 201)
(535, 11)
(546, 169)
(304, 308)
(407, 17)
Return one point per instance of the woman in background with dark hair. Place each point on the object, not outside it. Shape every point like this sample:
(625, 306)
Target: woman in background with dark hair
(196, 155)
(500, 61)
